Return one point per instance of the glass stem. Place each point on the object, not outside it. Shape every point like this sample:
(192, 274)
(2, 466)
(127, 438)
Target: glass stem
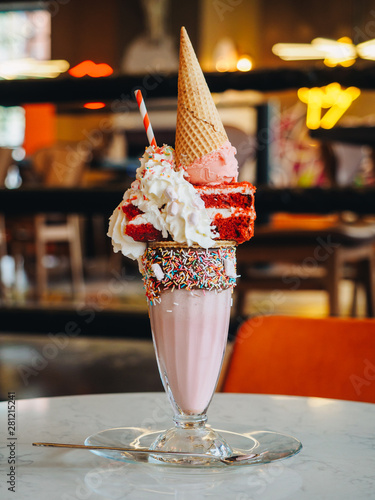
(190, 421)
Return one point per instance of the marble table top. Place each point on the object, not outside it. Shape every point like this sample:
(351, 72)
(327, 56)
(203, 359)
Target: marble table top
(337, 459)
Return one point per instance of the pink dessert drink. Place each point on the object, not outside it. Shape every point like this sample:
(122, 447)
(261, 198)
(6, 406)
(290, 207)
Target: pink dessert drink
(190, 329)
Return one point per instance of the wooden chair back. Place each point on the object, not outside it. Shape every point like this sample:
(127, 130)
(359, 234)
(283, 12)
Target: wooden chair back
(60, 165)
(5, 163)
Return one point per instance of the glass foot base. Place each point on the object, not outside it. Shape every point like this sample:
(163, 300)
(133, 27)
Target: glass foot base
(268, 446)
(202, 440)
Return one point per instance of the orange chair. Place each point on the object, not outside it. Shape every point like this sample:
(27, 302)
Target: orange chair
(330, 357)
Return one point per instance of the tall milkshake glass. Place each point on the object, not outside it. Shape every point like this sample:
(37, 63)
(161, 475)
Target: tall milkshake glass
(189, 317)
(189, 297)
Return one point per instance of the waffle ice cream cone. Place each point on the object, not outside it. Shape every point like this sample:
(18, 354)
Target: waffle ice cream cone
(199, 129)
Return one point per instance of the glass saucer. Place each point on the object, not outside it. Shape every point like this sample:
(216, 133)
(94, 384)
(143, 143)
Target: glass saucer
(267, 445)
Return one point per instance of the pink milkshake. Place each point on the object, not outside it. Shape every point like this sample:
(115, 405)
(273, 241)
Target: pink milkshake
(189, 291)
(190, 330)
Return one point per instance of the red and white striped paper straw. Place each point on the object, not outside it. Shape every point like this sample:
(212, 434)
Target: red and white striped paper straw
(146, 120)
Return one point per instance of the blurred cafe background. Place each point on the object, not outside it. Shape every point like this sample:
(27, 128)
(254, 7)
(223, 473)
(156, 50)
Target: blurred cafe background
(294, 83)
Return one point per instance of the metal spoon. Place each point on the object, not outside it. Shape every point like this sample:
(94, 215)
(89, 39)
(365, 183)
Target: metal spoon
(228, 460)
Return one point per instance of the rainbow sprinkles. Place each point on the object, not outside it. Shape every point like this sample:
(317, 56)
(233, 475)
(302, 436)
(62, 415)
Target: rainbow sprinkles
(167, 268)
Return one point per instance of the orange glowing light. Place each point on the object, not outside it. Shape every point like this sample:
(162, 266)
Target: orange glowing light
(92, 69)
(94, 105)
(222, 66)
(244, 63)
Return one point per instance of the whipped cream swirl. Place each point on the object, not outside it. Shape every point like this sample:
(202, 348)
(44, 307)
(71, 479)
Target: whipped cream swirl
(168, 201)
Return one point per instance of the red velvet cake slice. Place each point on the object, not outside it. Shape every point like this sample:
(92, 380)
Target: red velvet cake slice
(229, 206)
(231, 209)
(137, 226)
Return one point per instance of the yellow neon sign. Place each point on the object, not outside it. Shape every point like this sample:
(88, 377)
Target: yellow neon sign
(331, 97)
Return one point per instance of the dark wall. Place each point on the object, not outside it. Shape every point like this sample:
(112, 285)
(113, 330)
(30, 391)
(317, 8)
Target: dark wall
(100, 30)
(300, 21)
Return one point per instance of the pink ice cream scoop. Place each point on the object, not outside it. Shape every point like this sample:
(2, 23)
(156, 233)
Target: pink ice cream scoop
(219, 166)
